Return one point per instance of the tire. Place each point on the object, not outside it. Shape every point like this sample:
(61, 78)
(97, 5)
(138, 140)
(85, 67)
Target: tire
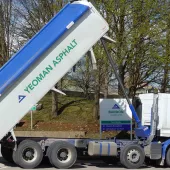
(168, 158)
(7, 153)
(62, 155)
(132, 156)
(14, 157)
(50, 148)
(110, 160)
(28, 154)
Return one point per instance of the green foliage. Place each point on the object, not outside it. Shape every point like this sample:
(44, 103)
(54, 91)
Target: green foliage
(137, 28)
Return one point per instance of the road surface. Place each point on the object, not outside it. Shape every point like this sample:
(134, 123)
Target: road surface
(80, 165)
(87, 165)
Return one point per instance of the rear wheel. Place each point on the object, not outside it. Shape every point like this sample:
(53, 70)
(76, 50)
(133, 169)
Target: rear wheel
(168, 158)
(28, 154)
(132, 156)
(7, 153)
(62, 155)
(50, 148)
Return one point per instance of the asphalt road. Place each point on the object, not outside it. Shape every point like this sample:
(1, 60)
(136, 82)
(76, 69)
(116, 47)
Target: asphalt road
(80, 165)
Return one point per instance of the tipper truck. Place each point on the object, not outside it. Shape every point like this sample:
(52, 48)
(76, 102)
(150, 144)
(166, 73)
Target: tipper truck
(38, 66)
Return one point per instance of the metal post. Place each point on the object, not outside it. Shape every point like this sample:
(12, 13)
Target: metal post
(31, 119)
(100, 130)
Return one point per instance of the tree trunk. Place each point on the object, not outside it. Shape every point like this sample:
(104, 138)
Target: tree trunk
(121, 74)
(87, 77)
(105, 87)
(132, 92)
(96, 97)
(54, 111)
(5, 23)
(106, 82)
(96, 104)
(164, 80)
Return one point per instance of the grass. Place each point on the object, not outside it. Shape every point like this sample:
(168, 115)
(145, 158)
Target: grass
(80, 111)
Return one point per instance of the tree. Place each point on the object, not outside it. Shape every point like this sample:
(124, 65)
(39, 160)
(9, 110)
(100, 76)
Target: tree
(81, 76)
(7, 30)
(102, 78)
(115, 13)
(143, 64)
(165, 45)
(135, 50)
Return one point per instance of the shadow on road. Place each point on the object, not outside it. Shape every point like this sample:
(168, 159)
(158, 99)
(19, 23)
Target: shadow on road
(80, 164)
(4, 163)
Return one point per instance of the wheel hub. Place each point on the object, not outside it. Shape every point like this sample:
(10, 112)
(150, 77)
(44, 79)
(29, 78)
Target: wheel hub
(63, 154)
(29, 154)
(133, 156)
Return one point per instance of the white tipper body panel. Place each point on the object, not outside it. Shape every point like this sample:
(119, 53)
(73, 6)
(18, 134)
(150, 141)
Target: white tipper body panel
(147, 102)
(163, 112)
(86, 32)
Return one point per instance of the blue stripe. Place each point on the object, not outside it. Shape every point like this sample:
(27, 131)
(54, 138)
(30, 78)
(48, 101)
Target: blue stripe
(108, 149)
(72, 141)
(42, 41)
(100, 148)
